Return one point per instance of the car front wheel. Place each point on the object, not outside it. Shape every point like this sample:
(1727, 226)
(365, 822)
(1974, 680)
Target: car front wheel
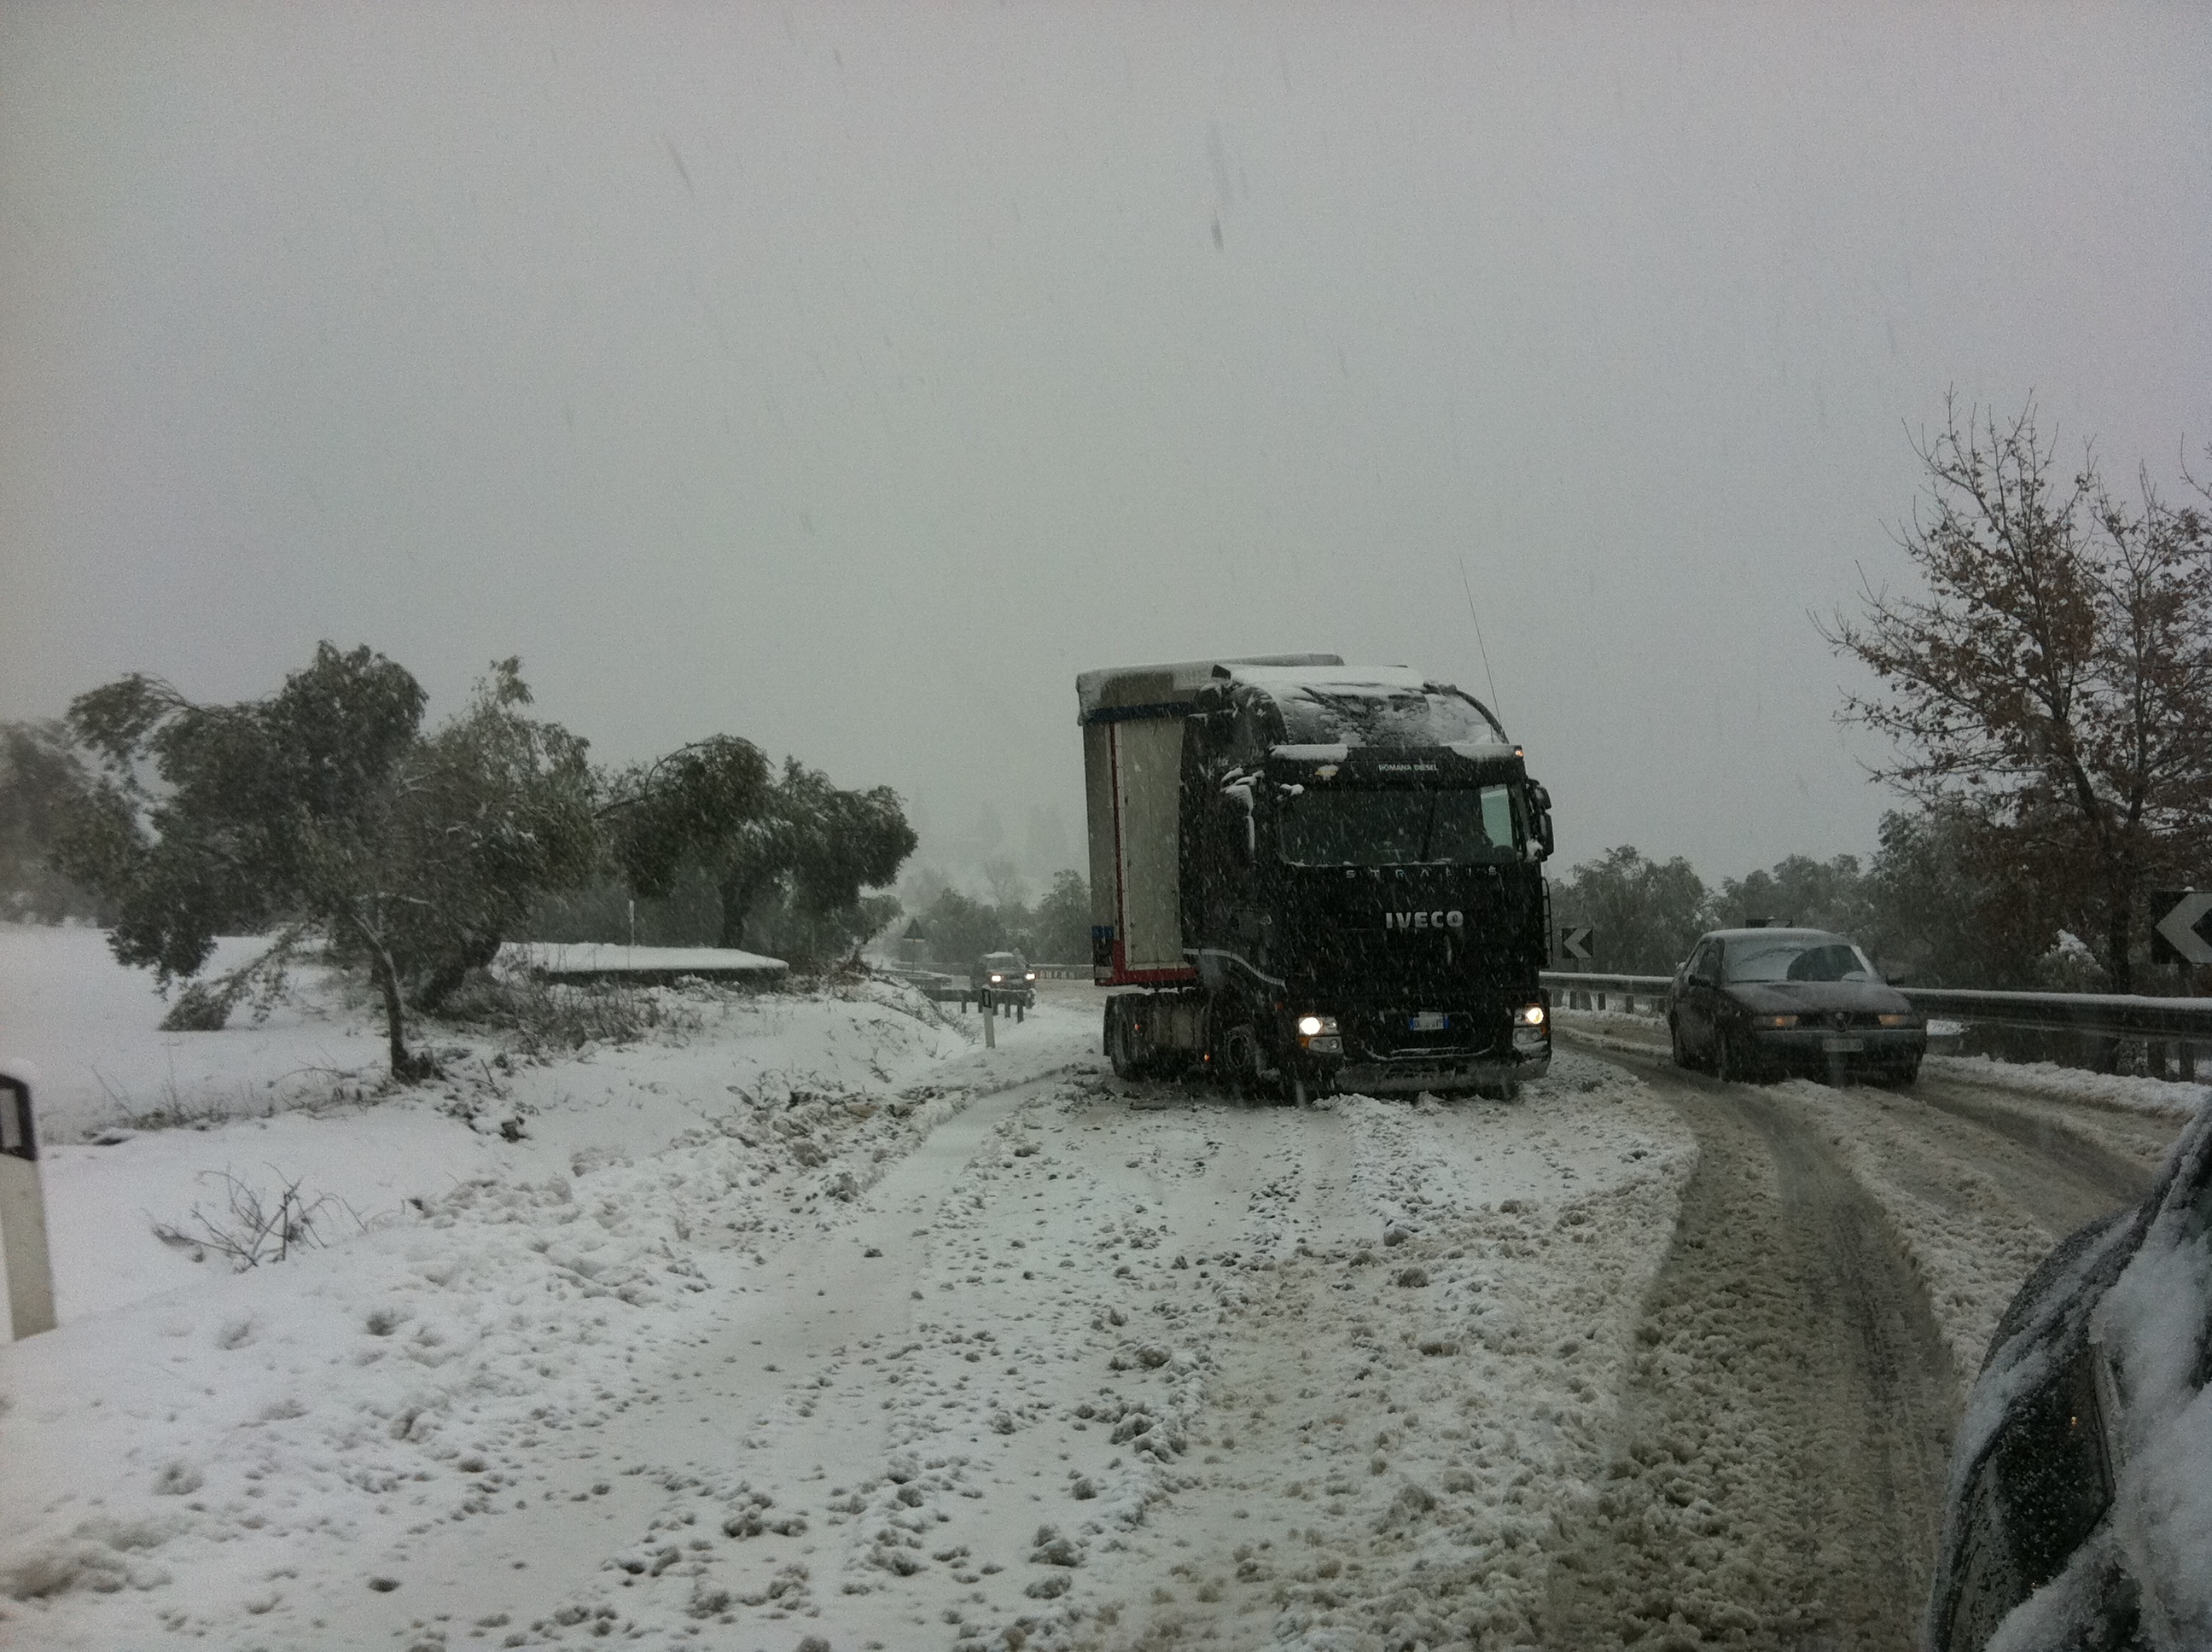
(1727, 1058)
(1675, 1038)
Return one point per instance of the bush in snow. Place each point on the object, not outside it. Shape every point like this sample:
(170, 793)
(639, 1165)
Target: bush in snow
(250, 1226)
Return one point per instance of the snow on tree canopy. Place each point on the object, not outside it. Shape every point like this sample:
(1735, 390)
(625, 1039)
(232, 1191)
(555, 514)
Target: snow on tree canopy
(1372, 706)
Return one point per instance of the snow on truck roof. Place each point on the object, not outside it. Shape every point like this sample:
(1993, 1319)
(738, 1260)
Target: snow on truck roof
(1324, 703)
(1345, 706)
(1156, 687)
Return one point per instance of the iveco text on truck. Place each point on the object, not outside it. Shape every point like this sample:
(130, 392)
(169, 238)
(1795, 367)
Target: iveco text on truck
(1315, 875)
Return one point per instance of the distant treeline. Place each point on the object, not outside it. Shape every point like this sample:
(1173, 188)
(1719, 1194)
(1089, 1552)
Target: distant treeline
(1931, 906)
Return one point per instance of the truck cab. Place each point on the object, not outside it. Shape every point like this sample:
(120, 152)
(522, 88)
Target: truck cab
(1358, 901)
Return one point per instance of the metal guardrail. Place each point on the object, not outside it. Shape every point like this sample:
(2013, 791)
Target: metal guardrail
(2101, 1015)
(2104, 1014)
(1603, 988)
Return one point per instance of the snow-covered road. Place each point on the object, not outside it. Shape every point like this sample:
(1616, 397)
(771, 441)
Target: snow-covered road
(1102, 1365)
(996, 1350)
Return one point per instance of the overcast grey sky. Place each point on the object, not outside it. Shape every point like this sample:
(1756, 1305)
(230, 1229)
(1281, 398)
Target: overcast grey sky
(849, 377)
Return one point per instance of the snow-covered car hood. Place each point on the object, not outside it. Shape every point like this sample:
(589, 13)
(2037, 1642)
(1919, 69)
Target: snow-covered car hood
(2132, 1292)
(1813, 996)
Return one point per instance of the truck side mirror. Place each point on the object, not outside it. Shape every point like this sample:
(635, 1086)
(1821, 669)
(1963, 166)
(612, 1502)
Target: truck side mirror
(1539, 815)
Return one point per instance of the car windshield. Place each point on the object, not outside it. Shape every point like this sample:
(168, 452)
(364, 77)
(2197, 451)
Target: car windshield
(1797, 958)
(1391, 829)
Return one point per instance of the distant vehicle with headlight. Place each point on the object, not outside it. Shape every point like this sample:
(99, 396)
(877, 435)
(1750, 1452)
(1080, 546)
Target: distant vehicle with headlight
(1313, 877)
(1760, 1002)
(1009, 980)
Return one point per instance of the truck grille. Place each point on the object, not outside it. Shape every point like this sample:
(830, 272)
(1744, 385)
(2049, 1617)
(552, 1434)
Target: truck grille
(1392, 1036)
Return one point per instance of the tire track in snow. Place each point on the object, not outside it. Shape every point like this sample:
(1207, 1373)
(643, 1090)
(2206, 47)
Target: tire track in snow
(1778, 1469)
(1424, 1379)
(2106, 1179)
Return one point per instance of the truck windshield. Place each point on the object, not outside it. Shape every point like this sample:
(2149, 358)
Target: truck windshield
(1394, 828)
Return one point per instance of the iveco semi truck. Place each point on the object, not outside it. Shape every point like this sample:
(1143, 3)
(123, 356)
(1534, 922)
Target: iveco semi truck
(1312, 876)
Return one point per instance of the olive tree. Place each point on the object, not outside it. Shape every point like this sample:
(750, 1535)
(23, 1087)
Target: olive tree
(716, 806)
(322, 809)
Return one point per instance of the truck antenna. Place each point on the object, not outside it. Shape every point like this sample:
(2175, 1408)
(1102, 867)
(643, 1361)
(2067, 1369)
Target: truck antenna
(1479, 642)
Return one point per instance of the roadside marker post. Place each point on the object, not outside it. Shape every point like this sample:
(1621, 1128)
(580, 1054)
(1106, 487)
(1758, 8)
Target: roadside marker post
(1576, 941)
(23, 1213)
(990, 1020)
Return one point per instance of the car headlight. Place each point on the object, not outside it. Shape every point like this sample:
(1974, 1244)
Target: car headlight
(1031, 976)
(995, 980)
(1529, 1015)
(1893, 1020)
(1774, 1021)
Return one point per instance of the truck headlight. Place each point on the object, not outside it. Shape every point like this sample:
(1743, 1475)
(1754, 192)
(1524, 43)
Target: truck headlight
(995, 980)
(1031, 976)
(1313, 1026)
(1529, 1015)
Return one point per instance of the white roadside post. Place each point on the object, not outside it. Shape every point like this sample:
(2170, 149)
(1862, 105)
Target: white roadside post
(23, 1213)
(990, 1020)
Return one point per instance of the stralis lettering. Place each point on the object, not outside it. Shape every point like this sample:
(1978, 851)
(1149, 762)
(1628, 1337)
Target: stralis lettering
(1454, 919)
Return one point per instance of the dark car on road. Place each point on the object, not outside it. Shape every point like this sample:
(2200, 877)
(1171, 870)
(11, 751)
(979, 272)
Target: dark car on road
(2080, 1510)
(1011, 982)
(1756, 1002)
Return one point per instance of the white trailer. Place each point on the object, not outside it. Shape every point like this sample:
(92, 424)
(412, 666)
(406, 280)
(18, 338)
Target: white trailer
(1132, 730)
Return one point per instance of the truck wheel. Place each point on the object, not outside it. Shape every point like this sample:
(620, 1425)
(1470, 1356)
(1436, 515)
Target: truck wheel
(1301, 1092)
(1117, 1041)
(1240, 1060)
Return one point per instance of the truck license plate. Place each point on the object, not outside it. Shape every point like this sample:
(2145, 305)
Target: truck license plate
(1843, 1046)
(1430, 1021)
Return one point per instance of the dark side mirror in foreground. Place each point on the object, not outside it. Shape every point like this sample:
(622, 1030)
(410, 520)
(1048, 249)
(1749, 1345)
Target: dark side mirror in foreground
(2080, 1486)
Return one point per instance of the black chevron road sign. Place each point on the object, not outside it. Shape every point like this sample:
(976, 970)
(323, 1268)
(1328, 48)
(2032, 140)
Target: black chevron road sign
(2181, 925)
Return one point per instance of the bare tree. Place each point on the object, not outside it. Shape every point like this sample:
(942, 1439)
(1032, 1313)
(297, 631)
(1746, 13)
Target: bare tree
(2053, 685)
